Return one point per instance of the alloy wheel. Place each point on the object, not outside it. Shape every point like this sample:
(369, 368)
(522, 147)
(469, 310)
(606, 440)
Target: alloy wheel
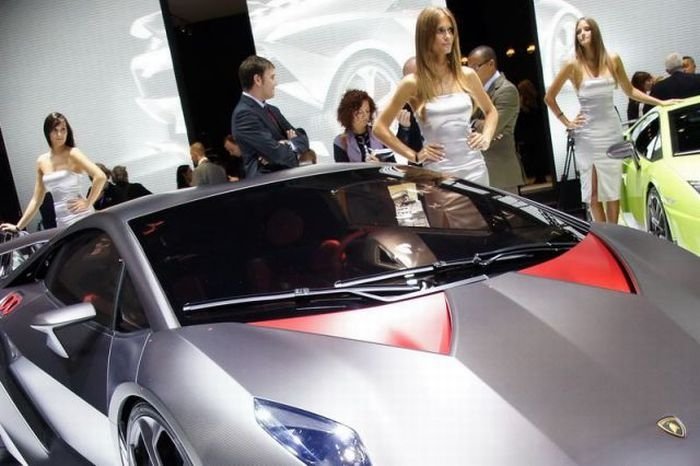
(149, 440)
(657, 223)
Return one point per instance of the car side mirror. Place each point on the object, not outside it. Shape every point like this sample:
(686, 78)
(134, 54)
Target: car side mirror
(623, 150)
(47, 322)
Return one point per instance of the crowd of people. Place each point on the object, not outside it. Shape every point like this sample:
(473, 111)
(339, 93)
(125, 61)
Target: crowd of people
(455, 114)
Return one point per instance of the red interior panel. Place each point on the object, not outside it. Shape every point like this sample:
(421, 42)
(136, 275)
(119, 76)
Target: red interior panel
(422, 323)
(588, 263)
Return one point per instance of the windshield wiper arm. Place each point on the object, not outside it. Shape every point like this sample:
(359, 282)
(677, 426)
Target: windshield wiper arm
(478, 260)
(516, 252)
(369, 292)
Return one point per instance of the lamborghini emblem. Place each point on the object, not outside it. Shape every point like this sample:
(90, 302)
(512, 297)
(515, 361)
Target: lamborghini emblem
(672, 426)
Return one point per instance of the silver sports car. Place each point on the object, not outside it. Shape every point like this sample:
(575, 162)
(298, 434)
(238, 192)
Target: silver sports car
(350, 315)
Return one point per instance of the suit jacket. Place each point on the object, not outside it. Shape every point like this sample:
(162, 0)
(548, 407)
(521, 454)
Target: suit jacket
(208, 172)
(502, 159)
(678, 85)
(259, 136)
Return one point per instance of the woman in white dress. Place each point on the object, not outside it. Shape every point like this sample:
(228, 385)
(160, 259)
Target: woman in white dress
(441, 94)
(59, 171)
(595, 74)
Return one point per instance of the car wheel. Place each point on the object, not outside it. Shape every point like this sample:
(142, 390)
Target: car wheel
(657, 223)
(562, 42)
(376, 74)
(150, 440)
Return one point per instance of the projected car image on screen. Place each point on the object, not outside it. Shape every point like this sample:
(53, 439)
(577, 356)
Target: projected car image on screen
(322, 48)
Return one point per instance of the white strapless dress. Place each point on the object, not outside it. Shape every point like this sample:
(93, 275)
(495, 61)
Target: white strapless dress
(447, 122)
(65, 186)
(592, 140)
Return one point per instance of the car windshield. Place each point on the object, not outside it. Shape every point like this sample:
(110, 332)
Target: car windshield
(685, 130)
(338, 229)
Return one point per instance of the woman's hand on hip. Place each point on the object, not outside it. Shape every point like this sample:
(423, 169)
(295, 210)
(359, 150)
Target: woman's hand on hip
(78, 205)
(478, 141)
(431, 153)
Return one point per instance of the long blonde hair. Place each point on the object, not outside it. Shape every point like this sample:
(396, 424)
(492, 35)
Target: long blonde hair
(601, 59)
(427, 79)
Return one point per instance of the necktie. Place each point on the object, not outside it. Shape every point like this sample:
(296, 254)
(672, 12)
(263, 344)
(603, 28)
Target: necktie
(274, 120)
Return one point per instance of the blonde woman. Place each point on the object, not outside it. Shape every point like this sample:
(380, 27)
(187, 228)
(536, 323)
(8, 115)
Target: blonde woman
(441, 94)
(59, 171)
(595, 74)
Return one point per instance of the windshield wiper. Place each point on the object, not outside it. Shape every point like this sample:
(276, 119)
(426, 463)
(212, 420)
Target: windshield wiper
(480, 261)
(413, 282)
(391, 293)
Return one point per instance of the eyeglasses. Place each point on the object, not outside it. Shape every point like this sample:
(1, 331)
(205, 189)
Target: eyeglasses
(476, 67)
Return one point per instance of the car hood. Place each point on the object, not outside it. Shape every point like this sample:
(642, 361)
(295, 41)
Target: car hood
(687, 167)
(540, 372)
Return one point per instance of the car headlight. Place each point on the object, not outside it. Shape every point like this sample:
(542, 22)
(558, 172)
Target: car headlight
(313, 439)
(696, 185)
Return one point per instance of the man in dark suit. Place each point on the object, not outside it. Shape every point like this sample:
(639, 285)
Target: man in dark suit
(267, 140)
(502, 161)
(678, 85)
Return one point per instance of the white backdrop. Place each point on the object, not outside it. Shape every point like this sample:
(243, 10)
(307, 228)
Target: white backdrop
(642, 33)
(106, 66)
(321, 48)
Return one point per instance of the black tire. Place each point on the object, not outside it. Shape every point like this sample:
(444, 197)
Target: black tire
(149, 440)
(657, 221)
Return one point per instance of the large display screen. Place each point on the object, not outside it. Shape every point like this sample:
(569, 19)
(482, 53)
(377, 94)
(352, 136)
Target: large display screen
(643, 34)
(321, 48)
(107, 67)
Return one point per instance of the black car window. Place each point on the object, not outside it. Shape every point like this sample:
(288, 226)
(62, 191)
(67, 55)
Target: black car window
(130, 314)
(312, 232)
(646, 138)
(86, 268)
(685, 130)
(13, 258)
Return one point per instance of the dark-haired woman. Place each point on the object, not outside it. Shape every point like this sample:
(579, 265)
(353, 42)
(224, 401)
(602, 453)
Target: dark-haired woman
(357, 144)
(60, 171)
(640, 80)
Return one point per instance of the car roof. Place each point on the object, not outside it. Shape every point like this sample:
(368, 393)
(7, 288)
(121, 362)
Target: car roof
(155, 202)
(25, 240)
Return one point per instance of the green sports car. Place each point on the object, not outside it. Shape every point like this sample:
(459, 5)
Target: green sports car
(661, 173)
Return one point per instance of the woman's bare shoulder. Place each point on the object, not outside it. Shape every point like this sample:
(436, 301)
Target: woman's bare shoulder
(43, 159)
(409, 82)
(467, 71)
